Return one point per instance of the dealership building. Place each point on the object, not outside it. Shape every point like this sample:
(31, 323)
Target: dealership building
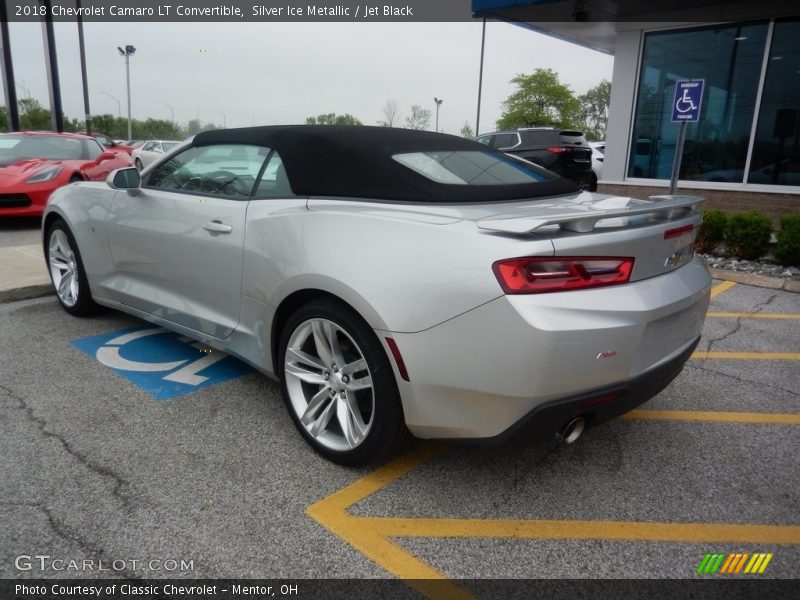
(744, 151)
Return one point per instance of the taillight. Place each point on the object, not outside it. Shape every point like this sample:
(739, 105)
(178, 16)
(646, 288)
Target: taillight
(678, 231)
(558, 150)
(537, 275)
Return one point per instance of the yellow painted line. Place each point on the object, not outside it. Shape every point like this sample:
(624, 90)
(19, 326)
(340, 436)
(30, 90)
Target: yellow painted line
(755, 418)
(372, 535)
(721, 287)
(736, 315)
(586, 530)
(332, 513)
(748, 355)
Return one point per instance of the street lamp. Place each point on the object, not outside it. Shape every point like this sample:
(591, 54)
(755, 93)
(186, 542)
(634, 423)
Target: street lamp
(224, 123)
(127, 52)
(171, 110)
(119, 105)
(438, 104)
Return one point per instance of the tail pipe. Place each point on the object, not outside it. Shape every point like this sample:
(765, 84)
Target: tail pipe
(572, 430)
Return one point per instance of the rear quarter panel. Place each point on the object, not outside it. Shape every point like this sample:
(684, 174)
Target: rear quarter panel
(401, 271)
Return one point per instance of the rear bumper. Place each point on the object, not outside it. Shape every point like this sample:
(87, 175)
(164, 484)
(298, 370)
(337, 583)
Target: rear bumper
(487, 371)
(597, 406)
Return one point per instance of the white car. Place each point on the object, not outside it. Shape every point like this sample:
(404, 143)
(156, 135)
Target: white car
(598, 154)
(151, 151)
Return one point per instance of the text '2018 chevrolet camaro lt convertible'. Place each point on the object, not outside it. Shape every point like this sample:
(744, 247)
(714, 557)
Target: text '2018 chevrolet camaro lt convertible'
(394, 279)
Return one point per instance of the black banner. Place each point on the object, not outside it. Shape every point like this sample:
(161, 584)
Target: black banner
(716, 588)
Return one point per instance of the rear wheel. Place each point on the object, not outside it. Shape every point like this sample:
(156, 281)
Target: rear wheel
(66, 270)
(338, 384)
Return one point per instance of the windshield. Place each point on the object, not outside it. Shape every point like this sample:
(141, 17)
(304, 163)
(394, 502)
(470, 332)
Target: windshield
(460, 167)
(169, 145)
(18, 147)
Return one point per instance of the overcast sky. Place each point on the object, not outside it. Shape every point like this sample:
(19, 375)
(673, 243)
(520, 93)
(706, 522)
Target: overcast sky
(268, 73)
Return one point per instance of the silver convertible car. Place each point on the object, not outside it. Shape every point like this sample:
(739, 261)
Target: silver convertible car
(393, 280)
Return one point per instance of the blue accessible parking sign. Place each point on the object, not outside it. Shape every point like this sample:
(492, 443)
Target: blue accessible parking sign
(160, 362)
(686, 103)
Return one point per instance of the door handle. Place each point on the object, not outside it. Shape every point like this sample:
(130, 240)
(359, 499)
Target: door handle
(217, 227)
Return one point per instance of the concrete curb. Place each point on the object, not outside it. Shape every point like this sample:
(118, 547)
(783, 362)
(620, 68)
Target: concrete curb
(26, 293)
(775, 283)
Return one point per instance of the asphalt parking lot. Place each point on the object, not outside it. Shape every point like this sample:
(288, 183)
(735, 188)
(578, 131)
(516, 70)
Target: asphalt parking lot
(96, 467)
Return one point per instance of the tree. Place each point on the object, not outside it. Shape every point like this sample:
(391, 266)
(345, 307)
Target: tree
(540, 100)
(594, 110)
(33, 115)
(466, 131)
(333, 119)
(391, 111)
(420, 118)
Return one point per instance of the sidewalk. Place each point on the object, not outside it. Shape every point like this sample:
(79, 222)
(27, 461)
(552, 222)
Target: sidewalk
(23, 273)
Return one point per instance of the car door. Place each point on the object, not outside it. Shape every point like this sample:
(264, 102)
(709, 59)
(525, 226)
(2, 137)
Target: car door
(177, 245)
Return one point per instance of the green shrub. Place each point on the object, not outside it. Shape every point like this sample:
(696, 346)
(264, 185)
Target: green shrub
(712, 231)
(787, 249)
(747, 234)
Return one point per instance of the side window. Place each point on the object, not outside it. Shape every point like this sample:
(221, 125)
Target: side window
(226, 170)
(484, 139)
(157, 147)
(93, 149)
(274, 183)
(148, 146)
(505, 140)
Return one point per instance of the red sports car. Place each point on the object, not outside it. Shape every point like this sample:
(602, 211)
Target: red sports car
(32, 165)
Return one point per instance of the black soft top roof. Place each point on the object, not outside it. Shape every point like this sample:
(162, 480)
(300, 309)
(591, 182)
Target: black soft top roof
(356, 162)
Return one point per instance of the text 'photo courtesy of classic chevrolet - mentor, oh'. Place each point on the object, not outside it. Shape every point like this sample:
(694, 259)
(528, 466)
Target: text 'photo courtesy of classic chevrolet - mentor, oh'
(393, 280)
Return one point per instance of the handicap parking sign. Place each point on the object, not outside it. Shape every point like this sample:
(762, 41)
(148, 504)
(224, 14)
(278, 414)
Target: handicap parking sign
(162, 363)
(686, 103)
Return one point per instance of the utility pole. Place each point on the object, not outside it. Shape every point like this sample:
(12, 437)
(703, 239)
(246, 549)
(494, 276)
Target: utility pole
(438, 104)
(127, 52)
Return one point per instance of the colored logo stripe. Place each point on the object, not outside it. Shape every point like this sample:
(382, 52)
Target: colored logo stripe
(734, 563)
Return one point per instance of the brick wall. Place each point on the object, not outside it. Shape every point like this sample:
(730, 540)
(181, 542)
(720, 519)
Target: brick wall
(773, 205)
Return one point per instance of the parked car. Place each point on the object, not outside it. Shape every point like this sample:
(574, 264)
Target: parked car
(151, 150)
(598, 156)
(566, 153)
(111, 145)
(32, 165)
(393, 279)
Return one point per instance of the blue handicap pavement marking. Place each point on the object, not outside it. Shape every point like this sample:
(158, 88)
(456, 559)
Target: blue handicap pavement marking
(162, 363)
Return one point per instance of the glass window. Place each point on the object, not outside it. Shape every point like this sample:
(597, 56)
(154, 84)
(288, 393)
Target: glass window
(729, 59)
(148, 146)
(53, 147)
(505, 140)
(274, 183)
(228, 170)
(484, 139)
(460, 167)
(776, 150)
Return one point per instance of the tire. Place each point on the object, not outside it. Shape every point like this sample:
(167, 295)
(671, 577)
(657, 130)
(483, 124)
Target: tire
(356, 415)
(138, 164)
(65, 265)
(593, 183)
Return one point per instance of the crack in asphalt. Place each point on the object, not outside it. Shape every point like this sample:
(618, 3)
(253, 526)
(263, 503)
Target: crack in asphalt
(744, 380)
(91, 550)
(756, 309)
(42, 425)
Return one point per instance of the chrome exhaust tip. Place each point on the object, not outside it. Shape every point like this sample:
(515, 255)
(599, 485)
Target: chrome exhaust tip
(572, 430)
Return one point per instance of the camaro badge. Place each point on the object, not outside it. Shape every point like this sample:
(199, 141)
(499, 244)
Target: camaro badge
(606, 354)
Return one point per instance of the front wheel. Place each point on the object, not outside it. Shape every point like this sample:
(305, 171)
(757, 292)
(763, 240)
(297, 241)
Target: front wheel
(338, 384)
(138, 163)
(66, 270)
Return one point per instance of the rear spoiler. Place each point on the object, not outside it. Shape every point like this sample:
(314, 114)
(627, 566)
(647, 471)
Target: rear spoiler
(582, 218)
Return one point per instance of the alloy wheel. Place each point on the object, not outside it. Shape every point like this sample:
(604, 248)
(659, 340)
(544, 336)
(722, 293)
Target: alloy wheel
(64, 268)
(329, 384)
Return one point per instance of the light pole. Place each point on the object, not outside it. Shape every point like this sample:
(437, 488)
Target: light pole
(224, 122)
(127, 52)
(438, 104)
(119, 105)
(171, 110)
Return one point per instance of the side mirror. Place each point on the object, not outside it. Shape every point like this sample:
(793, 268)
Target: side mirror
(105, 156)
(125, 179)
